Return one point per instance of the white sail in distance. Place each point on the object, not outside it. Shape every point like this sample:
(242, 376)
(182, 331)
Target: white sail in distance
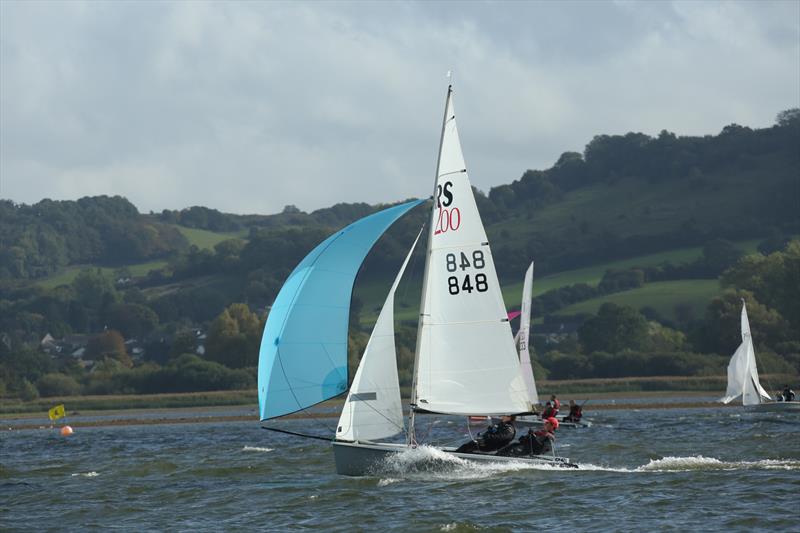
(742, 371)
(523, 337)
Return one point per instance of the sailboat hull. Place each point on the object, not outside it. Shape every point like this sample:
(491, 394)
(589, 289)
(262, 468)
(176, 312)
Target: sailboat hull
(535, 421)
(364, 459)
(776, 406)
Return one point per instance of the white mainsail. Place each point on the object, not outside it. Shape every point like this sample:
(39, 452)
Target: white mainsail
(742, 370)
(466, 361)
(523, 336)
(372, 409)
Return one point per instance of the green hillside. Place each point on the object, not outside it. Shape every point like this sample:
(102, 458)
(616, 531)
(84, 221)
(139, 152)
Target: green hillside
(205, 239)
(663, 296)
(655, 222)
(66, 276)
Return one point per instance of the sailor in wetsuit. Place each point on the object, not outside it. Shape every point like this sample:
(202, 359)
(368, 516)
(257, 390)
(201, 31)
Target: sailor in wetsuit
(534, 443)
(493, 438)
(575, 412)
(788, 394)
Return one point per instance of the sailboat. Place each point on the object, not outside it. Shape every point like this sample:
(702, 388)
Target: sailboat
(526, 367)
(521, 339)
(465, 361)
(743, 375)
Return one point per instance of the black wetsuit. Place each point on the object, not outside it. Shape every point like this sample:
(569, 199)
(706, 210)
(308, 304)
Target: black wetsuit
(788, 395)
(493, 438)
(575, 413)
(534, 443)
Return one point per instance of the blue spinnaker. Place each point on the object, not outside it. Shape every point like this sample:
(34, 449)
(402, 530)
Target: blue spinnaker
(303, 356)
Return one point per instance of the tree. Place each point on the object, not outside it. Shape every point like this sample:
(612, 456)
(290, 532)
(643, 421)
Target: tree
(615, 328)
(720, 254)
(234, 337)
(788, 117)
(57, 385)
(721, 330)
(108, 344)
(132, 320)
(95, 292)
(773, 280)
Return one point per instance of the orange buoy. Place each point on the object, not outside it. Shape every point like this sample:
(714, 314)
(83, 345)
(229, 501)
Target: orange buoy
(66, 431)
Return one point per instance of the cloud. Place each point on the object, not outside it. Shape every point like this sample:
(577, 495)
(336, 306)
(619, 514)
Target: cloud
(247, 107)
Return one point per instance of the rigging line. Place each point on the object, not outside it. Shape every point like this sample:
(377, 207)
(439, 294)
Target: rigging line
(290, 307)
(769, 383)
(298, 434)
(297, 400)
(412, 266)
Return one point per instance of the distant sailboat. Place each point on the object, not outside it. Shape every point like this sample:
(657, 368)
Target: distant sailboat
(525, 364)
(523, 336)
(743, 375)
(465, 359)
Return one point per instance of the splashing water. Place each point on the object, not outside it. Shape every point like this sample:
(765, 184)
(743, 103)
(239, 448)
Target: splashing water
(256, 449)
(434, 463)
(697, 463)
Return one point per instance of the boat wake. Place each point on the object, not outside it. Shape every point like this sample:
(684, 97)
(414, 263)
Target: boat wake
(697, 463)
(86, 474)
(433, 463)
(256, 449)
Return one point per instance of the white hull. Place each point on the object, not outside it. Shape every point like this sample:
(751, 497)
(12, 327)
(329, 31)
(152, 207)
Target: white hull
(776, 406)
(537, 422)
(364, 459)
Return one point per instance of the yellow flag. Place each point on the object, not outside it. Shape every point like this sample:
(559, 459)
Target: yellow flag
(56, 412)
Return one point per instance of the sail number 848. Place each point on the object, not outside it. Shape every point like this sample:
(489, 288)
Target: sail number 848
(454, 284)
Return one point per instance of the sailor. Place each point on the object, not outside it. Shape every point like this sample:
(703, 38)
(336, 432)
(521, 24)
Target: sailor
(535, 442)
(788, 394)
(492, 438)
(555, 402)
(549, 411)
(575, 412)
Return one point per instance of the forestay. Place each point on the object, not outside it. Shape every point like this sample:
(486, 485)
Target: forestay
(742, 371)
(372, 409)
(303, 355)
(466, 362)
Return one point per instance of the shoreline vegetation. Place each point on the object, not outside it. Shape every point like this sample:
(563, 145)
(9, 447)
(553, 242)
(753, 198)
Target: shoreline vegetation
(200, 407)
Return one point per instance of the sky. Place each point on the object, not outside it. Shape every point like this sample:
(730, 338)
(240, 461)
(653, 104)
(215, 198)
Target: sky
(247, 107)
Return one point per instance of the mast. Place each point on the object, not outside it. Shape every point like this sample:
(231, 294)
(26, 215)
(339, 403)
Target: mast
(412, 438)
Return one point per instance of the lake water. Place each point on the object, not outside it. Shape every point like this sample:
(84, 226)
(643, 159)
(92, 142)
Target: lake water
(667, 469)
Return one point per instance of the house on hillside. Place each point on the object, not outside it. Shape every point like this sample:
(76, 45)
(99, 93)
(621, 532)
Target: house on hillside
(49, 345)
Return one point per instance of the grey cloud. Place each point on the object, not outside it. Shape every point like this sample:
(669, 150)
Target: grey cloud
(249, 106)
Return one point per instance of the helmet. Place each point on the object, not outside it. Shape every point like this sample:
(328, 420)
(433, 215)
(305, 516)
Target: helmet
(554, 421)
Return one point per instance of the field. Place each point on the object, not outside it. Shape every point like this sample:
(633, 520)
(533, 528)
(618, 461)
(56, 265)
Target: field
(132, 401)
(66, 276)
(663, 296)
(203, 239)
(206, 240)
